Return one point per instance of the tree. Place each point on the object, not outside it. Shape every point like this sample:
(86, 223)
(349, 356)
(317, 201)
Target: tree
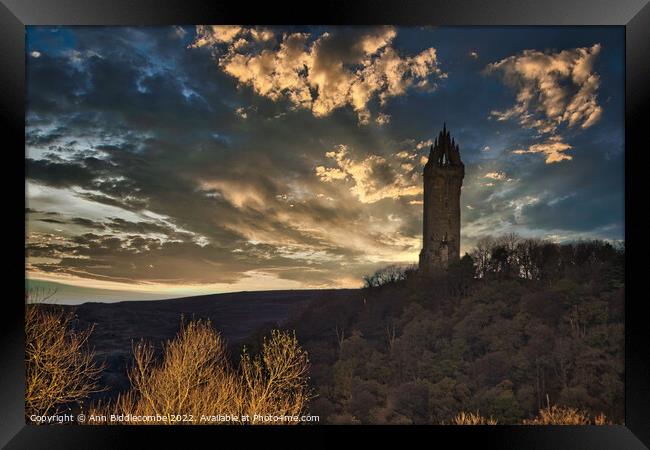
(194, 377)
(525, 251)
(461, 274)
(387, 275)
(481, 255)
(60, 368)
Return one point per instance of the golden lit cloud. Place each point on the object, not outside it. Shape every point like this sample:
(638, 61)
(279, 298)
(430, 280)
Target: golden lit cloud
(322, 73)
(553, 88)
(499, 176)
(373, 177)
(553, 149)
(215, 34)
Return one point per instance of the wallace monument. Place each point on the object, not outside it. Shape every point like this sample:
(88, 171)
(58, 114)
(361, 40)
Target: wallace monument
(443, 178)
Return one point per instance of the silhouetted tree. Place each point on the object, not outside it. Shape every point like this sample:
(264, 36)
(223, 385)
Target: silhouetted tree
(390, 274)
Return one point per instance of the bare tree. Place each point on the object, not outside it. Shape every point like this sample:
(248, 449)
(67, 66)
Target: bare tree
(482, 254)
(60, 369)
(194, 379)
(387, 275)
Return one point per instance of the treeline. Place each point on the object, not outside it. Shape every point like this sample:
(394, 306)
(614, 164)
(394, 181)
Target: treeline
(511, 256)
(516, 324)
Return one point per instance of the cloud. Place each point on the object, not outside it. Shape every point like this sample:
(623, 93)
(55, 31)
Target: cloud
(382, 119)
(241, 112)
(552, 88)
(57, 221)
(179, 32)
(262, 35)
(372, 178)
(323, 73)
(134, 259)
(553, 149)
(207, 35)
(499, 176)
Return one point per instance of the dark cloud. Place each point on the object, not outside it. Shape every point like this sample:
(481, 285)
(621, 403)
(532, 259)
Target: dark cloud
(87, 223)
(58, 174)
(51, 221)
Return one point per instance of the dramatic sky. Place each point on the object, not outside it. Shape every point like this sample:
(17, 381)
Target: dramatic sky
(184, 160)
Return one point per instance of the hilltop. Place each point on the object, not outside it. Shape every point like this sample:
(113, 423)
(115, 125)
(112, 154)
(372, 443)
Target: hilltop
(530, 324)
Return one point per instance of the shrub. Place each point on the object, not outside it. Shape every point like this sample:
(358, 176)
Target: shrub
(562, 415)
(194, 378)
(465, 418)
(60, 369)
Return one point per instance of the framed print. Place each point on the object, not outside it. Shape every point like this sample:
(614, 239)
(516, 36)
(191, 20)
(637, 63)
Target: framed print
(383, 217)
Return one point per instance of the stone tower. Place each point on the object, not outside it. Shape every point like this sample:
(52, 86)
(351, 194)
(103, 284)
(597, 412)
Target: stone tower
(443, 177)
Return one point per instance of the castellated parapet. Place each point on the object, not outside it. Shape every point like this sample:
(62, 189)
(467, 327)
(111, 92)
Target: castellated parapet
(443, 178)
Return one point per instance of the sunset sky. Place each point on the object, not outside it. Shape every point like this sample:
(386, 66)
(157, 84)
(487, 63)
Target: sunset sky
(182, 160)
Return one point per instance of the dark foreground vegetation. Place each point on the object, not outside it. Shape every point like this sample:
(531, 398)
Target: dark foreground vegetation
(192, 381)
(519, 331)
(515, 327)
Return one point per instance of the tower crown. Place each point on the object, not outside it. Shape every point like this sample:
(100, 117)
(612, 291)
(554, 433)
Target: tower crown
(444, 152)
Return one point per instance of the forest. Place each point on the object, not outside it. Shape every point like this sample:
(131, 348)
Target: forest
(517, 325)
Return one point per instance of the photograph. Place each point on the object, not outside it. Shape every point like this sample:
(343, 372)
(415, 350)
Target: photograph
(325, 225)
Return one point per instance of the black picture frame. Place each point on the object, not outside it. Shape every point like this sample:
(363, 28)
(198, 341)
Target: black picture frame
(634, 15)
